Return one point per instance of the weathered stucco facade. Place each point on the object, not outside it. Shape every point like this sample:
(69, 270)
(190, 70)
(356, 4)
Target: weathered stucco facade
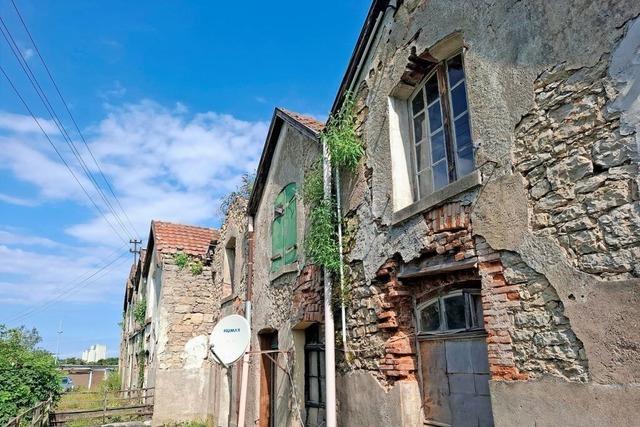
(548, 223)
(285, 301)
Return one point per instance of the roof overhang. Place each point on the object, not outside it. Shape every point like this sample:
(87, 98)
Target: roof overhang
(280, 117)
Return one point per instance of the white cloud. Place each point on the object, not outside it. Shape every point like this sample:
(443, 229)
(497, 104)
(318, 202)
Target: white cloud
(18, 123)
(164, 163)
(19, 201)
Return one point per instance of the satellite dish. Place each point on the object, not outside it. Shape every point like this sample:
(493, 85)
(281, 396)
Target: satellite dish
(229, 339)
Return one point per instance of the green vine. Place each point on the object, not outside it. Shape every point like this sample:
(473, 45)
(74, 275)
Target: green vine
(346, 150)
(140, 312)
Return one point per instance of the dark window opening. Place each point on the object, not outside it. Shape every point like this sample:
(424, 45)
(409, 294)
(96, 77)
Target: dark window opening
(314, 377)
(457, 311)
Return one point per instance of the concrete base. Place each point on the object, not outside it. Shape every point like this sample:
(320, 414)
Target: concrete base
(548, 403)
(181, 395)
(363, 402)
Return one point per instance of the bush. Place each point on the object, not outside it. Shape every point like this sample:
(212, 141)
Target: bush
(28, 375)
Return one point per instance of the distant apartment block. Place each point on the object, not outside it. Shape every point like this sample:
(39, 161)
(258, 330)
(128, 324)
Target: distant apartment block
(94, 353)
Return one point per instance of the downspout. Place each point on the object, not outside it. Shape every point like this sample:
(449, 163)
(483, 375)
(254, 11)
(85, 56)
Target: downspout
(247, 314)
(329, 327)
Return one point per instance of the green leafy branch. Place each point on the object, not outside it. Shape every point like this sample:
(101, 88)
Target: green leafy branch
(346, 150)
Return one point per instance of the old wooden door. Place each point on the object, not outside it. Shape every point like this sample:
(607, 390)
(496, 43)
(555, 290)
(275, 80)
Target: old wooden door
(455, 373)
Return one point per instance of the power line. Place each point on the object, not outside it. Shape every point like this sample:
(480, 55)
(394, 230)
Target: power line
(64, 102)
(56, 120)
(79, 285)
(60, 156)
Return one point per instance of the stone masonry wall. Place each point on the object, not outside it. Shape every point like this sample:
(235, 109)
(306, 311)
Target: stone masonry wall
(187, 302)
(582, 181)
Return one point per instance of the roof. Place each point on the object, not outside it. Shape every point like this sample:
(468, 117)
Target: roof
(360, 50)
(307, 121)
(305, 124)
(171, 238)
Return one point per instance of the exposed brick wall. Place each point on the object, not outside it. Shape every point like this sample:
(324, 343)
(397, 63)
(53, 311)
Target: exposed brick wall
(450, 231)
(308, 294)
(498, 301)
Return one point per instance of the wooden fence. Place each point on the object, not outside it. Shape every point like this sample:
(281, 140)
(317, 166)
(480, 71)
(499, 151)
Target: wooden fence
(38, 416)
(97, 408)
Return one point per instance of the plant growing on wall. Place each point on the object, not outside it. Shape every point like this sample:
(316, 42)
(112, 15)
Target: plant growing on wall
(341, 138)
(196, 267)
(140, 312)
(345, 149)
(181, 259)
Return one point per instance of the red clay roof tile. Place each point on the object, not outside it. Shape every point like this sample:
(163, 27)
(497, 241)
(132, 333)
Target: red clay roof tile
(171, 238)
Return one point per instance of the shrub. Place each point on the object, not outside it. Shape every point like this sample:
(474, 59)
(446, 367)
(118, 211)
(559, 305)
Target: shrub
(28, 375)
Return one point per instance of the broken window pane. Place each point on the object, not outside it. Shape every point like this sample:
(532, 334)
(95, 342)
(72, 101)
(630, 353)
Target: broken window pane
(430, 317)
(454, 310)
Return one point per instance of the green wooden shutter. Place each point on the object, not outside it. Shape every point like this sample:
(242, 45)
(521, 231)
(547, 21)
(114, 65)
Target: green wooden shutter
(290, 225)
(277, 233)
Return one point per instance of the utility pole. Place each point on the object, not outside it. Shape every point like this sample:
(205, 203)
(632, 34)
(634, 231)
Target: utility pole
(58, 343)
(135, 251)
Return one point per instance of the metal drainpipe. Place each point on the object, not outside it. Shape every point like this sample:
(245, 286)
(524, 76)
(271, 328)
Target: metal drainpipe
(247, 314)
(342, 306)
(329, 328)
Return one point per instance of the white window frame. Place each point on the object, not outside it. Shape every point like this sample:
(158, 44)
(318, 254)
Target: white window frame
(425, 142)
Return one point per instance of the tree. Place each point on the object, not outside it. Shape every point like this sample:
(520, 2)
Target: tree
(28, 375)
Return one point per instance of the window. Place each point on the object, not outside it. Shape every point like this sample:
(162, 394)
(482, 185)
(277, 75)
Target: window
(441, 135)
(284, 235)
(314, 379)
(454, 312)
(229, 267)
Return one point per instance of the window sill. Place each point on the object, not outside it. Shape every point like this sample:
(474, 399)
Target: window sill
(289, 268)
(437, 198)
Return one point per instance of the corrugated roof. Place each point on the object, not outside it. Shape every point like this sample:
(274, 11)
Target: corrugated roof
(190, 239)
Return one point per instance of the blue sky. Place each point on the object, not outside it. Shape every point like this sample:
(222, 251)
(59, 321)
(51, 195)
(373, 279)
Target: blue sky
(174, 100)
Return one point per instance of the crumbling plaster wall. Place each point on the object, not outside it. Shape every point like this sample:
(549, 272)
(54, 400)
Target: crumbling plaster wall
(510, 45)
(272, 296)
